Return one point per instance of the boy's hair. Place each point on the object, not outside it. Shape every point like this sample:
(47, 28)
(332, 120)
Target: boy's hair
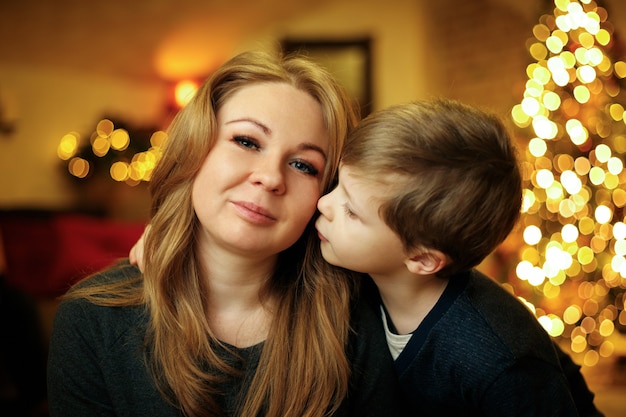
(453, 176)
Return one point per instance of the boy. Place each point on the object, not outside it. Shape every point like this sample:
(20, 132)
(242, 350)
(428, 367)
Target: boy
(426, 191)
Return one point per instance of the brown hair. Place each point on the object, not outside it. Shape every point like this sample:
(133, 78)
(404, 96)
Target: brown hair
(303, 370)
(455, 183)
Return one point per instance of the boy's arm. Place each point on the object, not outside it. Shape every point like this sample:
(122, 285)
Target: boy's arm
(136, 252)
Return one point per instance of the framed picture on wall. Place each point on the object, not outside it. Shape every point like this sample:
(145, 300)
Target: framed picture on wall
(348, 60)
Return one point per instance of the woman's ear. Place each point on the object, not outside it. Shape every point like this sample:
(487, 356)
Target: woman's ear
(425, 261)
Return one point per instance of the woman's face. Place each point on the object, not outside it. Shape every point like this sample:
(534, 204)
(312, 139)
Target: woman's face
(258, 187)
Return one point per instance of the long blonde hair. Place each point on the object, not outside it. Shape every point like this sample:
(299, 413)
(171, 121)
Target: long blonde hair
(303, 369)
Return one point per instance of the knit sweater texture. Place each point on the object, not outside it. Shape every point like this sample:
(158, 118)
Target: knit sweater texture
(480, 352)
(97, 364)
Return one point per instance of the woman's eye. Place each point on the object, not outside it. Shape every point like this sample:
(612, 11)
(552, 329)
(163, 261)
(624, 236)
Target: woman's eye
(305, 167)
(246, 142)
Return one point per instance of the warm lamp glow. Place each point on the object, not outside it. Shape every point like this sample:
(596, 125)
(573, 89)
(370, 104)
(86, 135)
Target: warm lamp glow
(199, 45)
(184, 92)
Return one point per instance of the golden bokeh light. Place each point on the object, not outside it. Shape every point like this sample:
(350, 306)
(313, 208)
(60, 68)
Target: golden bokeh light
(119, 171)
(104, 127)
(119, 139)
(108, 141)
(582, 94)
(573, 116)
(68, 146)
(78, 167)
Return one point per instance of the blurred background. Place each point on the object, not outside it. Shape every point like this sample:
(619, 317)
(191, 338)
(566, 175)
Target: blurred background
(86, 88)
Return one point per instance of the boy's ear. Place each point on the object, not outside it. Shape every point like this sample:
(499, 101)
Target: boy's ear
(424, 261)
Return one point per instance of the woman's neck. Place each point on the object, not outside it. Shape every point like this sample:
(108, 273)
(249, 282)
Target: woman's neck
(239, 308)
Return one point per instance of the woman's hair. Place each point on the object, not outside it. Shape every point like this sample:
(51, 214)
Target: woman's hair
(303, 370)
(453, 176)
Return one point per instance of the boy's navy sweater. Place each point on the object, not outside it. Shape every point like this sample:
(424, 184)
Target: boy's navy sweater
(480, 352)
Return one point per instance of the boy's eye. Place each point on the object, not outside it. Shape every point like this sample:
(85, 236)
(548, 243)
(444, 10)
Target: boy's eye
(305, 167)
(246, 142)
(349, 212)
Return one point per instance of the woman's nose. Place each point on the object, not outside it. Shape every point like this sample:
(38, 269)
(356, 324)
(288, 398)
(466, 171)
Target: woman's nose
(268, 173)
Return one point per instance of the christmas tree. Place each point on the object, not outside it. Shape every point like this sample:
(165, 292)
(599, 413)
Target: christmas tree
(572, 263)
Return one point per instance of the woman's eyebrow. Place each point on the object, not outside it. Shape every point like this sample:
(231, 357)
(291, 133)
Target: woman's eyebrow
(312, 147)
(255, 122)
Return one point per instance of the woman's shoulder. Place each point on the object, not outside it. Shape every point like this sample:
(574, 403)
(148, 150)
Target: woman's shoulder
(118, 273)
(100, 303)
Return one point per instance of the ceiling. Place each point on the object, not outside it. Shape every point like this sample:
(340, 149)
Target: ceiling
(131, 37)
(147, 38)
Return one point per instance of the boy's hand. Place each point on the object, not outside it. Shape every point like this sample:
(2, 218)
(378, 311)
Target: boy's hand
(136, 252)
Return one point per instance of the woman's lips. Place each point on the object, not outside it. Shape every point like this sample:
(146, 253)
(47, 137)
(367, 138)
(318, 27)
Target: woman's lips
(253, 212)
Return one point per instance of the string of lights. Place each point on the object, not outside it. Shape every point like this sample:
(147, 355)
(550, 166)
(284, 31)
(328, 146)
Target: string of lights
(106, 140)
(572, 264)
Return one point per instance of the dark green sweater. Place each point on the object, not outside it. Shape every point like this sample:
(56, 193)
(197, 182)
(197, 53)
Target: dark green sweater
(96, 364)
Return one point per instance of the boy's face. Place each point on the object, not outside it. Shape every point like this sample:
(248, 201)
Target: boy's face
(352, 233)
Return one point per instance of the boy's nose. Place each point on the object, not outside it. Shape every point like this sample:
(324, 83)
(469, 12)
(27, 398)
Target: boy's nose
(323, 205)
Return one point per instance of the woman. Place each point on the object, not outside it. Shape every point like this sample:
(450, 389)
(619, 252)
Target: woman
(228, 319)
